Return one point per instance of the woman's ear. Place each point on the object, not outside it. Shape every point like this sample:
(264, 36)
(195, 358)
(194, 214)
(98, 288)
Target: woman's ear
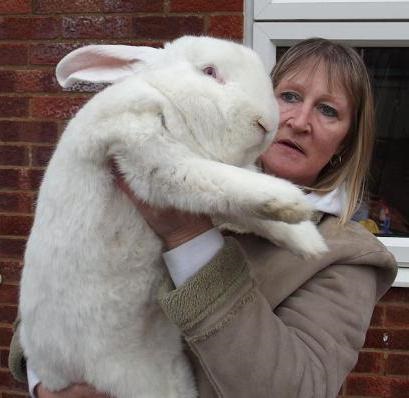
(103, 63)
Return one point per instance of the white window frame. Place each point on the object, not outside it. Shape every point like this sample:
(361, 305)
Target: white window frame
(271, 23)
(330, 10)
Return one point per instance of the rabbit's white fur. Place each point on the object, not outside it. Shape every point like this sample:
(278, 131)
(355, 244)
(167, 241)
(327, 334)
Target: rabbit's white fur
(92, 266)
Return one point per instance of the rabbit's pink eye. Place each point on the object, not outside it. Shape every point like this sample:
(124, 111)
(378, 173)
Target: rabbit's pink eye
(210, 71)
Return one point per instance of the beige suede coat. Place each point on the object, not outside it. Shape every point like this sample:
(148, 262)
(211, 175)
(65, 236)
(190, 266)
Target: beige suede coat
(261, 322)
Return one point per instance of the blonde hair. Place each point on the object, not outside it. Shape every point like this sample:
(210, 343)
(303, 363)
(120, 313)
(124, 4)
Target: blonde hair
(346, 68)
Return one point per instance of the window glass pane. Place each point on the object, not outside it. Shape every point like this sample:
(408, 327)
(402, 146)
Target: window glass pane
(386, 210)
(388, 203)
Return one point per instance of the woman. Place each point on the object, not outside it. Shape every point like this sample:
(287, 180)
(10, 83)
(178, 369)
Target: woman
(259, 321)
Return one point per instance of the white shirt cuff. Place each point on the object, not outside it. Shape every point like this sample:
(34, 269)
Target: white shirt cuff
(187, 259)
(33, 380)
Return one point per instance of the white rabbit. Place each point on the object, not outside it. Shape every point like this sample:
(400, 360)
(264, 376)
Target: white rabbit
(180, 123)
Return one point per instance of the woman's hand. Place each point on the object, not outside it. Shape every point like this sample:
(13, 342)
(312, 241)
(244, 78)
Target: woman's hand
(174, 227)
(74, 391)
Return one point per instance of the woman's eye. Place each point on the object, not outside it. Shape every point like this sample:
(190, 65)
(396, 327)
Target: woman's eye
(210, 71)
(289, 96)
(327, 110)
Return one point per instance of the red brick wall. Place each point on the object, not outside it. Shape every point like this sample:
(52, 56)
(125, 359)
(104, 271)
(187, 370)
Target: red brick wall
(34, 35)
(383, 366)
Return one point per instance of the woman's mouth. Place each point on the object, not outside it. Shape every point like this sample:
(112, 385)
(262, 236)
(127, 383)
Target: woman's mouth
(292, 145)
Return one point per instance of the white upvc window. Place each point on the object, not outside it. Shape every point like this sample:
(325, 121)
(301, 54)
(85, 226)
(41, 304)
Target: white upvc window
(378, 29)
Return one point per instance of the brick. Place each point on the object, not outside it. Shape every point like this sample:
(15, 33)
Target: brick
(370, 362)
(367, 386)
(7, 81)
(67, 6)
(13, 54)
(13, 106)
(9, 294)
(5, 336)
(387, 339)
(17, 202)
(227, 26)
(96, 27)
(21, 28)
(31, 179)
(377, 338)
(20, 179)
(10, 272)
(9, 178)
(398, 364)
(59, 108)
(359, 385)
(50, 53)
(30, 132)
(4, 354)
(396, 315)
(8, 313)
(15, 6)
(41, 155)
(166, 28)
(11, 248)
(15, 395)
(378, 316)
(12, 155)
(205, 5)
(15, 225)
(396, 295)
(133, 6)
(7, 380)
(38, 81)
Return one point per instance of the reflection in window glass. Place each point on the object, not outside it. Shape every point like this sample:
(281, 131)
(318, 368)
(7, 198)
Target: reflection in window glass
(388, 202)
(386, 209)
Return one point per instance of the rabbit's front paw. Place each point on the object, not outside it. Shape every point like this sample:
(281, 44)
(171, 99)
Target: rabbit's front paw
(305, 240)
(310, 247)
(292, 212)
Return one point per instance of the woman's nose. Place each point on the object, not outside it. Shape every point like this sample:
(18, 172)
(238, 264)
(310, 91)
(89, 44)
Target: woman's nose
(300, 119)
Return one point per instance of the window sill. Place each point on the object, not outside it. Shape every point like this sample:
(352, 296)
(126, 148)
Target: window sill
(402, 279)
(399, 247)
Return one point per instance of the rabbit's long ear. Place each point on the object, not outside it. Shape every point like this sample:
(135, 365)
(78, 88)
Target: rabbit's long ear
(102, 63)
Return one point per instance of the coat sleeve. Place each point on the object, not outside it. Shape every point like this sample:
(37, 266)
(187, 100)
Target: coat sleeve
(303, 348)
(16, 360)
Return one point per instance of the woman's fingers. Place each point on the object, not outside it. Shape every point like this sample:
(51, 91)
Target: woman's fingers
(74, 391)
(173, 226)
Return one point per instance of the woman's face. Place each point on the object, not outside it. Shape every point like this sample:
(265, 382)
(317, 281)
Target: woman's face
(314, 121)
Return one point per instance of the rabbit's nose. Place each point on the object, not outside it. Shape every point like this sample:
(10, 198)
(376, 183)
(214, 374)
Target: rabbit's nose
(265, 125)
